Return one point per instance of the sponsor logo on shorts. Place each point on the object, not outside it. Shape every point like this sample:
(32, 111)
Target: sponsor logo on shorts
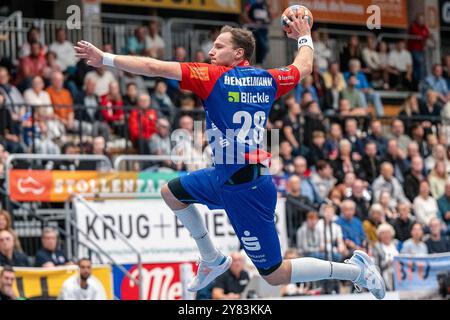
(250, 243)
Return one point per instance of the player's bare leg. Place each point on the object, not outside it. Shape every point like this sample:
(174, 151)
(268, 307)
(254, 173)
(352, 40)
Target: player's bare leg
(213, 262)
(359, 269)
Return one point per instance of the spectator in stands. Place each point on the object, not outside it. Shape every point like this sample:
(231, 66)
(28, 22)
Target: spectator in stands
(384, 251)
(425, 206)
(98, 147)
(437, 242)
(383, 56)
(306, 85)
(438, 84)
(12, 96)
(438, 154)
(404, 222)
(323, 178)
(332, 97)
(333, 75)
(417, 47)
(6, 224)
(154, 44)
(444, 207)
(370, 163)
(371, 59)
(376, 135)
(259, 15)
(130, 98)
(232, 283)
(287, 157)
(8, 138)
(322, 53)
(353, 136)
(50, 256)
(387, 182)
(160, 143)
(363, 85)
(430, 108)
(345, 163)
(398, 133)
(9, 255)
(331, 238)
(291, 124)
(415, 245)
(52, 66)
(32, 65)
(413, 177)
(374, 219)
(102, 79)
(112, 111)
(88, 111)
(438, 177)
(396, 157)
(352, 230)
(308, 188)
(7, 278)
(352, 50)
(361, 197)
(65, 52)
(33, 35)
(62, 100)
(332, 143)
(354, 96)
(162, 102)
(409, 111)
(82, 286)
(388, 206)
(401, 67)
(44, 144)
(36, 95)
(297, 207)
(419, 143)
(313, 129)
(319, 85)
(136, 44)
(142, 123)
(308, 237)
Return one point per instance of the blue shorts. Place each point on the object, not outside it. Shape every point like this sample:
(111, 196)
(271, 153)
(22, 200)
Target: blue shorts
(250, 208)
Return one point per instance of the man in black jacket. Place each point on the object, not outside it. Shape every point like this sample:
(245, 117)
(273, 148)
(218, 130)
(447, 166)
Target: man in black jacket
(297, 207)
(413, 178)
(50, 255)
(370, 163)
(403, 224)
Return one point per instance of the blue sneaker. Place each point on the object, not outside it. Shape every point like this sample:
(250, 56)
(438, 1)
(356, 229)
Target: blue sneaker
(207, 273)
(369, 278)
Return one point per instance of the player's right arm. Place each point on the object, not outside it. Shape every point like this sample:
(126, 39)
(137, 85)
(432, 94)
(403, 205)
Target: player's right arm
(138, 65)
(299, 27)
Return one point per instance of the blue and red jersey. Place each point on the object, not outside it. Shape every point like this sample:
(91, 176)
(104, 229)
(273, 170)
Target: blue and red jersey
(237, 101)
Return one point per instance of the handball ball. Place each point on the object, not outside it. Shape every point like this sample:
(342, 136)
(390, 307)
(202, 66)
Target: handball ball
(308, 15)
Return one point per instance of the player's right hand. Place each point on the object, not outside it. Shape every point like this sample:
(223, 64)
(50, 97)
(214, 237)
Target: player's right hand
(92, 54)
(298, 25)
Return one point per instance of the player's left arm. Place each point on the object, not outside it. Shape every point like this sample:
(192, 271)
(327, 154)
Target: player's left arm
(138, 65)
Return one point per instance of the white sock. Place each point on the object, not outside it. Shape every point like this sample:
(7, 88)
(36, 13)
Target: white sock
(311, 269)
(191, 219)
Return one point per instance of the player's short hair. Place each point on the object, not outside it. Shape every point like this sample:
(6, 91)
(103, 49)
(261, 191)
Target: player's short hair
(242, 39)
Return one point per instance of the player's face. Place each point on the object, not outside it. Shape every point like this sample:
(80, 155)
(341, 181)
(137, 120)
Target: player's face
(223, 52)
